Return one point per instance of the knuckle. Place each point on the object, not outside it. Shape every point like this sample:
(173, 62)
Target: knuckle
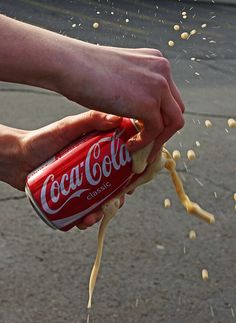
(159, 53)
(179, 122)
(92, 115)
(154, 52)
(62, 124)
(61, 127)
(162, 83)
(96, 116)
(164, 66)
(182, 107)
(154, 127)
(151, 104)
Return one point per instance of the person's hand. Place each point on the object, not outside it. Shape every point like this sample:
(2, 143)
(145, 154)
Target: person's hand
(134, 83)
(22, 151)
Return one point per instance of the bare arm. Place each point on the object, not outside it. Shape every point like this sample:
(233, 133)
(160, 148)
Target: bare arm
(30, 55)
(134, 83)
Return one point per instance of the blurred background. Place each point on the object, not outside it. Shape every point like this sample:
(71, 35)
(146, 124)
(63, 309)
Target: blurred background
(151, 270)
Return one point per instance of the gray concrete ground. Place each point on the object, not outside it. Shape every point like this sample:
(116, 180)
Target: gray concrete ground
(151, 271)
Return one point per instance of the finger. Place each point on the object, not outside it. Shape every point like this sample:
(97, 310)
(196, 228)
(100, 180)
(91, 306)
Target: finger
(158, 143)
(20, 131)
(82, 226)
(173, 120)
(143, 51)
(70, 128)
(122, 200)
(131, 192)
(151, 129)
(90, 220)
(151, 52)
(176, 94)
(43, 143)
(165, 69)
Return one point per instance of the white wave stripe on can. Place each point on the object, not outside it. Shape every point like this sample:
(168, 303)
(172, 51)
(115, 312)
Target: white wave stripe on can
(51, 211)
(66, 221)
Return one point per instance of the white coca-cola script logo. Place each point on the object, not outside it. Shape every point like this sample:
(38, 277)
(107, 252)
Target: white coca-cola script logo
(92, 171)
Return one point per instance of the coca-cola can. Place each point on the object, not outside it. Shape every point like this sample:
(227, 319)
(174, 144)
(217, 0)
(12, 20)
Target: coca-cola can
(81, 177)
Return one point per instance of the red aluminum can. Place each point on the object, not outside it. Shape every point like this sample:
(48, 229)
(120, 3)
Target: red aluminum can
(81, 177)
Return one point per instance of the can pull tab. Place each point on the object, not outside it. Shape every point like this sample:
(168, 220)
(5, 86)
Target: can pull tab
(138, 124)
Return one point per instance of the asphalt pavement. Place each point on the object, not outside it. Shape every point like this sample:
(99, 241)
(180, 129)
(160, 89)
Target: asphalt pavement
(151, 270)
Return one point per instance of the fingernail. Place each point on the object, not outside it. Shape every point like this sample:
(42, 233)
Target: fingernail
(81, 228)
(112, 117)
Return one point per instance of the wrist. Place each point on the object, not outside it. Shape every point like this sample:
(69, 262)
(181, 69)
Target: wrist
(79, 66)
(54, 71)
(11, 163)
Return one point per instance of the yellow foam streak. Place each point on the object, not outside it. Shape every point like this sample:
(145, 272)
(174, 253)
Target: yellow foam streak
(109, 209)
(191, 207)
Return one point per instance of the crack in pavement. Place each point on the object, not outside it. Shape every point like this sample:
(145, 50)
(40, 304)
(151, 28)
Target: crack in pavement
(30, 91)
(12, 198)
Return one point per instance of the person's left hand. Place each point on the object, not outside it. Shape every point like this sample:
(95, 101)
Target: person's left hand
(22, 151)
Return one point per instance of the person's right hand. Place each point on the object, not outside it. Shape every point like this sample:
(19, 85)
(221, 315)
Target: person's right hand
(134, 83)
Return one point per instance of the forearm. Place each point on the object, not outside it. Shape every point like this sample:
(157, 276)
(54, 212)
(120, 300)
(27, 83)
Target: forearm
(32, 55)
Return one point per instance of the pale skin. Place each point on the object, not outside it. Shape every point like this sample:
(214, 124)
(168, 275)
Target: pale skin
(135, 83)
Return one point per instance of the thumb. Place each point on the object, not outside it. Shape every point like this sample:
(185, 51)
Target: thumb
(41, 144)
(70, 128)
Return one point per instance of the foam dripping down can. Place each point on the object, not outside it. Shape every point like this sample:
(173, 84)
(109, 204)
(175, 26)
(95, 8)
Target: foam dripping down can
(79, 179)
